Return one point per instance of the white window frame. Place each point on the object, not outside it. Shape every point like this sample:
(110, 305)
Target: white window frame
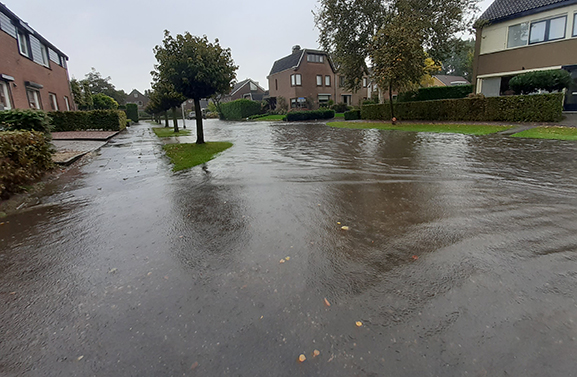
(5, 92)
(547, 30)
(527, 25)
(319, 80)
(23, 45)
(53, 101)
(35, 103)
(296, 79)
(365, 82)
(327, 80)
(315, 58)
(45, 59)
(574, 34)
(67, 103)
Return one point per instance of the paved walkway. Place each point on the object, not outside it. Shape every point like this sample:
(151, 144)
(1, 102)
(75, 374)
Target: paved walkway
(70, 146)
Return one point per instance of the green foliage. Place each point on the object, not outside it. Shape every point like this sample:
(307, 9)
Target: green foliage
(353, 115)
(459, 59)
(239, 109)
(310, 115)
(436, 92)
(103, 102)
(535, 108)
(92, 84)
(111, 120)
(186, 156)
(132, 112)
(550, 81)
(29, 120)
(24, 157)
(552, 133)
(340, 107)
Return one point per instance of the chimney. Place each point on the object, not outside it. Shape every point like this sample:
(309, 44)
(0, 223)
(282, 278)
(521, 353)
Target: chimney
(296, 48)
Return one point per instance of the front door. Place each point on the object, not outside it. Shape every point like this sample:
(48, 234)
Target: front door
(571, 96)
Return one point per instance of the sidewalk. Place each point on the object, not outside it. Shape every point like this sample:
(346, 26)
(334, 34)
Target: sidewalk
(70, 146)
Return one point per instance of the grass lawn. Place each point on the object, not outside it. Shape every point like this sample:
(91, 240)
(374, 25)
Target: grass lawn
(185, 156)
(555, 133)
(466, 129)
(339, 115)
(272, 117)
(169, 132)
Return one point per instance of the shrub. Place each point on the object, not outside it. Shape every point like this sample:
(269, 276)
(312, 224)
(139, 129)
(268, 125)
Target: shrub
(353, 115)
(29, 120)
(239, 109)
(535, 108)
(24, 156)
(310, 115)
(340, 107)
(550, 81)
(103, 102)
(112, 120)
(132, 112)
(436, 92)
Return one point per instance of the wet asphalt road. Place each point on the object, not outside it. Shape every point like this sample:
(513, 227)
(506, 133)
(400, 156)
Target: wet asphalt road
(461, 259)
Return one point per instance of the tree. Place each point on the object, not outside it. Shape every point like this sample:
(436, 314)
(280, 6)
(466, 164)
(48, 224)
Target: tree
(392, 35)
(168, 99)
(196, 68)
(459, 61)
(98, 84)
(103, 102)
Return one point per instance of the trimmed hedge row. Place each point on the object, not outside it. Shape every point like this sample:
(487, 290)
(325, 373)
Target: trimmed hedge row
(113, 120)
(310, 115)
(436, 92)
(353, 115)
(24, 157)
(534, 108)
(239, 109)
(132, 112)
(29, 120)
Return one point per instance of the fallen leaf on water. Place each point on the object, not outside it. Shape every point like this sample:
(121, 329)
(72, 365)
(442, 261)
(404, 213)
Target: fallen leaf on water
(12, 293)
(166, 277)
(338, 223)
(194, 365)
(288, 258)
(415, 257)
(316, 353)
(327, 303)
(281, 261)
(345, 227)
(359, 323)
(80, 358)
(302, 358)
(113, 271)
(150, 273)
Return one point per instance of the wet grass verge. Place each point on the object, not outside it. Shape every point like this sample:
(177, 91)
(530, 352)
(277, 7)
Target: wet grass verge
(186, 156)
(466, 129)
(169, 132)
(271, 117)
(553, 133)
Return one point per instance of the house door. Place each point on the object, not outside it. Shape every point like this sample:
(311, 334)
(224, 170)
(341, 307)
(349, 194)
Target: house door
(571, 96)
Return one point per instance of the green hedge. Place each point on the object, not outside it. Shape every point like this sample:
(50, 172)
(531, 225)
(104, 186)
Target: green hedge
(24, 156)
(353, 115)
(239, 109)
(535, 108)
(132, 112)
(310, 115)
(436, 92)
(109, 120)
(29, 120)
(551, 80)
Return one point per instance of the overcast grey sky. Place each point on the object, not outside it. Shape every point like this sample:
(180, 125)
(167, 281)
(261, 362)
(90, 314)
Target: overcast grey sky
(117, 37)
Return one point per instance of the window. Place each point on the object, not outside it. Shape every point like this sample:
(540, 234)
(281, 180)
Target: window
(324, 99)
(253, 87)
(276, 84)
(53, 101)
(135, 95)
(319, 80)
(67, 103)
(327, 80)
(44, 55)
(296, 80)
(294, 103)
(4, 96)
(33, 99)
(575, 25)
(365, 82)
(23, 44)
(548, 30)
(139, 103)
(518, 35)
(315, 58)
(342, 80)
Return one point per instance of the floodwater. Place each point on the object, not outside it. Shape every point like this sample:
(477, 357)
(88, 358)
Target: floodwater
(460, 259)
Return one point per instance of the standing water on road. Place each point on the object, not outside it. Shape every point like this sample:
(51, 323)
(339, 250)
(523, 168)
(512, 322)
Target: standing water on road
(460, 258)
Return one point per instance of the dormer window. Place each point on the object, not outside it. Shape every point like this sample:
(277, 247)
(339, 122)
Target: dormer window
(315, 58)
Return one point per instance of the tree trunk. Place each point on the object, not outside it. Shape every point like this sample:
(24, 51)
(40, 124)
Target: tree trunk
(166, 119)
(391, 101)
(198, 113)
(174, 119)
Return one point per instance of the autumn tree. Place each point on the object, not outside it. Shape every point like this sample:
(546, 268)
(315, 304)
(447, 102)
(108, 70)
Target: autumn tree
(393, 36)
(196, 68)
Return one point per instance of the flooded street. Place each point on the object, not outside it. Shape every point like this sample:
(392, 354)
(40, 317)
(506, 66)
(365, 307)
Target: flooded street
(460, 258)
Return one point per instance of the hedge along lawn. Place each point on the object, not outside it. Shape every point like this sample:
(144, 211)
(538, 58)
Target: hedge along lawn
(466, 129)
(554, 133)
(169, 132)
(186, 156)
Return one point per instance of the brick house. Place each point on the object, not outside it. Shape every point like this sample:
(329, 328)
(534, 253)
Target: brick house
(309, 75)
(248, 89)
(514, 37)
(33, 72)
(141, 100)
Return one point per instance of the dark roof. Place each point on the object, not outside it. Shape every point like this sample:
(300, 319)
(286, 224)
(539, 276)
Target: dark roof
(293, 60)
(450, 80)
(18, 20)
(239, 85)
(502, 10)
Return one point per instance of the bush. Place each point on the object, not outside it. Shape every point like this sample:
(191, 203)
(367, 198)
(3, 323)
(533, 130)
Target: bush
(239, 109)
(550, 81)
(535, 108)
(340, 107)
(353, 115)
(110, 120)
(29, 120)
(310, 115)
(436, 92)
(132, 112)
(24, 156)
(103, 102)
